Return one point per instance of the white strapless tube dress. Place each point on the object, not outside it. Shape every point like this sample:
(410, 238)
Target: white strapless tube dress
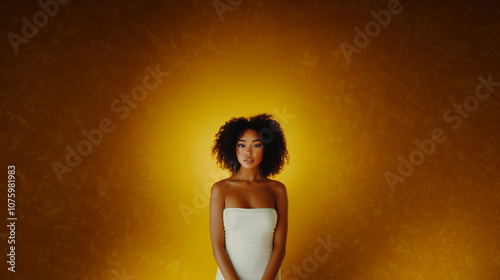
(249, 235)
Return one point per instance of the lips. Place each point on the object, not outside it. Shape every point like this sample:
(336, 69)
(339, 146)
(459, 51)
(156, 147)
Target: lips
(248, 160)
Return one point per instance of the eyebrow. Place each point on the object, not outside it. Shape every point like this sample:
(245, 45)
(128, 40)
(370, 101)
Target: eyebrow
(252, 141)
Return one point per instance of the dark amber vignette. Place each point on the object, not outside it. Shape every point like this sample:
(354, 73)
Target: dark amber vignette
(116, 214)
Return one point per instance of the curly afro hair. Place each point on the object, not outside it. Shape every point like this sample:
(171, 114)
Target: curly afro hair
(270, 133)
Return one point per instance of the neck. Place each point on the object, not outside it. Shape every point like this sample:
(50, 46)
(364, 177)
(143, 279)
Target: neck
(249, 174)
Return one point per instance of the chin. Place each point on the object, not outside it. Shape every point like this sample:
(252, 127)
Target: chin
(253, 165)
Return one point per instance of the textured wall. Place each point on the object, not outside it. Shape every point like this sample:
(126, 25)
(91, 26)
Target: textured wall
(391, 117)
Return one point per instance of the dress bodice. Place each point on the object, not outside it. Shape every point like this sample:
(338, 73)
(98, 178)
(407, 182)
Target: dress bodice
(249, 235)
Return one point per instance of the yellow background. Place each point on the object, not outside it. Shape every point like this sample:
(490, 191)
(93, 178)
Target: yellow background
(118, 213)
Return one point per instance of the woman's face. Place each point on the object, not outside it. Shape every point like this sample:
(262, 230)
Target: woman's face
(249, 149)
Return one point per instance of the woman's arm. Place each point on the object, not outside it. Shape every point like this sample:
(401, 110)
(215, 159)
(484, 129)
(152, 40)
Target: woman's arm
(279, 243)
(217, 234)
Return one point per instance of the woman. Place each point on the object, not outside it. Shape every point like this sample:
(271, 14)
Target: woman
(248, 211)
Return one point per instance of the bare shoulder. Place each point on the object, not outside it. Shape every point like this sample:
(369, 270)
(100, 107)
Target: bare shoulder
(219, 186)
(277, 186)
(280, 195)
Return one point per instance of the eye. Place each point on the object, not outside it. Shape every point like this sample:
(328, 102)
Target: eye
(240, 145)
(257, 145)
